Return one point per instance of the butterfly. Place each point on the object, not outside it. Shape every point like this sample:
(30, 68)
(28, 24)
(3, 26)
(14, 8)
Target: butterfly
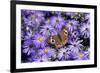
(60, 39)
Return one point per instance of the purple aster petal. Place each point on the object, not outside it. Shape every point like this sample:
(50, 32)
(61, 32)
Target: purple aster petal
(39, 40)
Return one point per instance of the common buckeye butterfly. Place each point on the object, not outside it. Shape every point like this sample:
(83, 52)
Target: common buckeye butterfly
(60, 39)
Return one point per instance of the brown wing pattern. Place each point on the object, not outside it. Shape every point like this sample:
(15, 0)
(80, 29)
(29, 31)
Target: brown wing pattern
(64, 36)
(59, 40)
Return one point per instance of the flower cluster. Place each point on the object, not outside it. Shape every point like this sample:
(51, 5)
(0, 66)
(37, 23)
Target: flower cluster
(38, 26)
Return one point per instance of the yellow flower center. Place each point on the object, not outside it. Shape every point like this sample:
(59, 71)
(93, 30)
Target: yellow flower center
(46, 50)
(41, 39)
(81, 55)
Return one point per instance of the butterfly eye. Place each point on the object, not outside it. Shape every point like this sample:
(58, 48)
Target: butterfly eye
(52, 41)
(65, 32)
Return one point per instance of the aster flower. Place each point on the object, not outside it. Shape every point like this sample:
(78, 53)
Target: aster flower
(87, 16)
(29, 31)
(39, 40)
(42, 58)
(80, 16)
(75, 45)
(48, 51)
(73, 55)
(85, 30)
(64, 53)
(48, 30)
(72, 25)
(28, 47)
(26, 13)
(74, 34)
(34, 19)
(28, 20)
(39, 17)
(58, 22)
(84, 55)
(28, 26)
